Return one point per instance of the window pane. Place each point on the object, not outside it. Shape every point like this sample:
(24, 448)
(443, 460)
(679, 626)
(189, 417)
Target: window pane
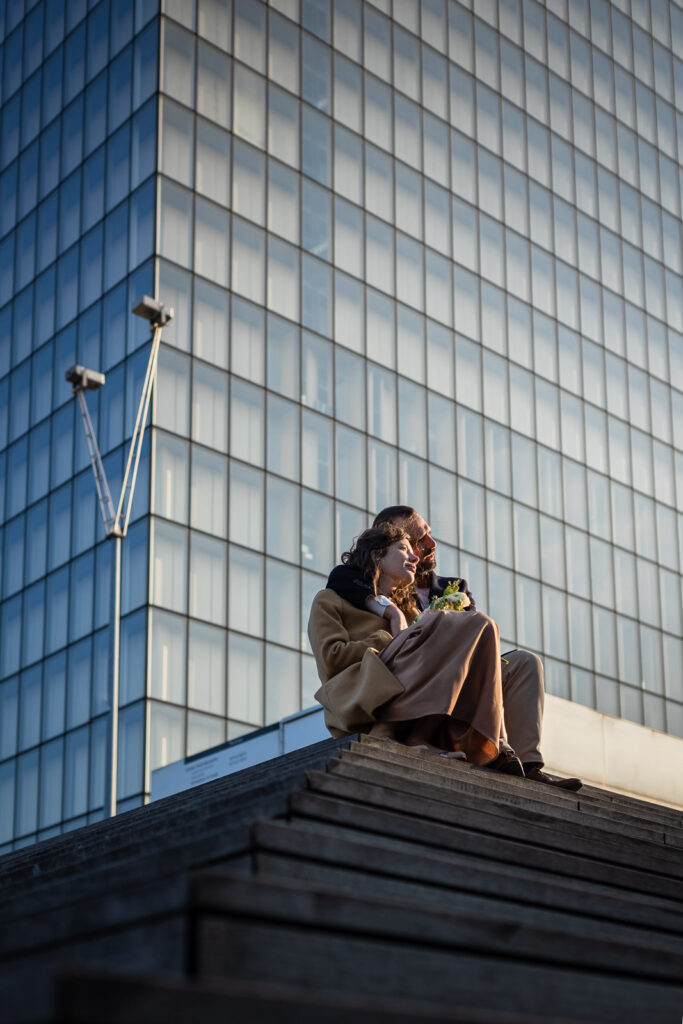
(207, 578)
(246, 591)
(209, 492)
(206, 668)
(210, 406)
(246, 506)
(282, 519)
(245, 679)
(168, 654)
(169, 565)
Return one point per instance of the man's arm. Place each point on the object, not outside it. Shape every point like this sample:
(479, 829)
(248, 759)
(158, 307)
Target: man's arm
(346, 582)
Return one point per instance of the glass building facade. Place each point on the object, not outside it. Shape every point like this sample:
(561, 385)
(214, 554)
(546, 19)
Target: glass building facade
(426, 252)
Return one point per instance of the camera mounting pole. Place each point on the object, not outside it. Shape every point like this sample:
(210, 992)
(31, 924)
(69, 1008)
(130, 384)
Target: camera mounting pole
(83, 380)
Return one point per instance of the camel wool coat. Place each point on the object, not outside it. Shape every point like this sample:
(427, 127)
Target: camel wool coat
(346, 643)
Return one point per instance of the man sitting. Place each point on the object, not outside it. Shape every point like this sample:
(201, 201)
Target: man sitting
(522, 671)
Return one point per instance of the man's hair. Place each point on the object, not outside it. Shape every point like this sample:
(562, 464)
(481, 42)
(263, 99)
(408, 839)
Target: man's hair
(396, 514)
(406, 517)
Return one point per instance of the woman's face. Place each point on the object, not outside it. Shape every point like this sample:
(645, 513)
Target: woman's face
(397, 568)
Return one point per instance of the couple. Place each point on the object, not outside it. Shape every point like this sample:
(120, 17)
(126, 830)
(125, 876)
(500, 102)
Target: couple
(436, 682)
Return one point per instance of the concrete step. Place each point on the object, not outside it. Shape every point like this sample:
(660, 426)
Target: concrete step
(258, 791)
(216, 846)
(102, 998)
(514, 790)
(152, 937)
(88, 918)
(336, 942)
(510, 793)
(382, 811)
(527, 824)
(350, 858)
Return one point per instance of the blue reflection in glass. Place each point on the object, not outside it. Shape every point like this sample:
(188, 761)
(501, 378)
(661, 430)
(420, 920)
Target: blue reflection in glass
(120, 80)
(95, 113)
(49, 157)
(118, 166)
(316, 139)
(52, 83)
(28, 179)
(9, 138)
(145, 58)
(39, 461)
(30, 122)
(74, 62)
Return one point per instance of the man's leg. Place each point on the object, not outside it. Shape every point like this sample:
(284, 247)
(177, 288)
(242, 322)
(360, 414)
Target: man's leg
(523, 696)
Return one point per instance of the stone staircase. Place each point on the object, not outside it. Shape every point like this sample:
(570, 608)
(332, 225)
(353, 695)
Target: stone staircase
(352, 880)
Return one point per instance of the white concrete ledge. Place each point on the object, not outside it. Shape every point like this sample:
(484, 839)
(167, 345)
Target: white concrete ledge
(612, 753)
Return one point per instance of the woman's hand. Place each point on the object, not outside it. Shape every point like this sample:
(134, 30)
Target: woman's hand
(395, 618)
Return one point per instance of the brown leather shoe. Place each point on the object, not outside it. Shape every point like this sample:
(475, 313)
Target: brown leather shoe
(535, 773)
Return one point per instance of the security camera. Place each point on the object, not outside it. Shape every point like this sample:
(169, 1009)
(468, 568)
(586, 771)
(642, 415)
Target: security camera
(154, 311)
(84, 379)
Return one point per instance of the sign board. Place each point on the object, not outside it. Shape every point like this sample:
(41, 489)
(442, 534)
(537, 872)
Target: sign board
(292, 733)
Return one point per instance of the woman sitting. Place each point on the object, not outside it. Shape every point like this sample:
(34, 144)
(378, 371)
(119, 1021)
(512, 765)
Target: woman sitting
(436, 685)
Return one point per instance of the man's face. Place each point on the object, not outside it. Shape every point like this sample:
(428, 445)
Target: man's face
(424, 546)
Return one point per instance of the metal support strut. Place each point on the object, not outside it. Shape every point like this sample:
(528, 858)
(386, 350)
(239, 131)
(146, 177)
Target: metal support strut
(84, 380)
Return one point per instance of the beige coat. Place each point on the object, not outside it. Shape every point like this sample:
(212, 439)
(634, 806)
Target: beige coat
(346, 643)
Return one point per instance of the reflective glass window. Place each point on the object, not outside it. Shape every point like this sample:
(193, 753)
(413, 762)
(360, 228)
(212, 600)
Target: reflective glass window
(283, 126)
(213, 80)
(168, 655)
(169, 566)
(249, 106)
(246, 506)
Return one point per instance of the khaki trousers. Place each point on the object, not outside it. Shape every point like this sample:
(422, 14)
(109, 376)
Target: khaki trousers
(523, 705)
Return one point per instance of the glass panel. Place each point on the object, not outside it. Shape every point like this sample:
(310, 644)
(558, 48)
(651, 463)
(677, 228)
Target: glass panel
(282, 519)
(130, 762)
(317, 531)
(209, 492)
(282, 683)
(169, 566)
(499, 526)
(282, 616)
(206, 668)
(350, 467)
(213, 81)
(247, 422)
(380, 312)
(246, 591)
(177, 143)
(247, 341)
(442, 432)
(207, 578)
(203, 732)
(133, 657)
(210, 332)
(167, 735)
(168, 657)
(26, 810)
(245, 675)
(211, 244)
(283, 279)
(246, 506)
(248, 258)
(249, 106)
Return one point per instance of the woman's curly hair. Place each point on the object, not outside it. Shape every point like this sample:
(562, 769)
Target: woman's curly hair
(366, 554)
